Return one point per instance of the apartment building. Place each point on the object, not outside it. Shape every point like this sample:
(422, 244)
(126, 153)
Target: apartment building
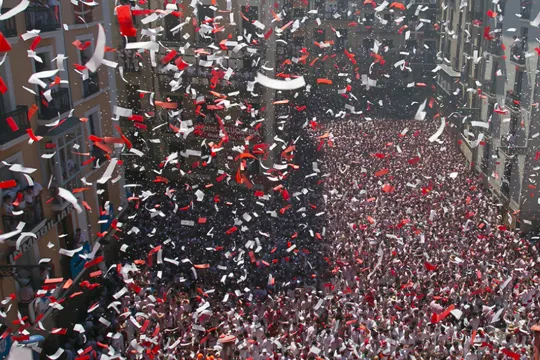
(193, 88)
(61, 111)
(409, 33)
(489, 75)
(199, 90)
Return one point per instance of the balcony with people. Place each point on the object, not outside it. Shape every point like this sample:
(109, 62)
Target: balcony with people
(21, 203)
(513, 99)
(518, 50)
(495, 46)
(43, 15)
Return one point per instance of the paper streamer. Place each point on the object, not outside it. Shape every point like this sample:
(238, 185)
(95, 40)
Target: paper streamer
(278, 84)
(99, 53)
(439, 131)
(68, 196)
(17, 9)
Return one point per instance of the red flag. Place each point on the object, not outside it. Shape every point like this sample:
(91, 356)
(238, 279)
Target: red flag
(511, 354)
(435, 318)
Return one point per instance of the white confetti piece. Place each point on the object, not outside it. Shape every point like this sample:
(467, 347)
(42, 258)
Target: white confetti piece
(278, 84)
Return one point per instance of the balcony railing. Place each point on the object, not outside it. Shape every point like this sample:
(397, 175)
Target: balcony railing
(423, 57)
(130, 60)
(525, 9)
(329, 14)
(455, 64)
(20, 118)
(91, 85)
(60, 103)
(8, 27)
(513, 99)
(513, 144)
(518, 53)
(44, 18)
(31, 216)
(495, 47)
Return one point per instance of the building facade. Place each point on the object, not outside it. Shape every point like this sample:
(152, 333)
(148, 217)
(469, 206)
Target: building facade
(489, 81)
(65, 111)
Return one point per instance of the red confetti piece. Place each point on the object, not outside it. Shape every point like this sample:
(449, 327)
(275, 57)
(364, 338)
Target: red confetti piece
(7, 184)
(4, 44)
(3, 86)
(12, 124)
(125, 20)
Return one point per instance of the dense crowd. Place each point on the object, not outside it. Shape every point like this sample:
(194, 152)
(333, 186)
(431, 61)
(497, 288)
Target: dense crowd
(387, 248)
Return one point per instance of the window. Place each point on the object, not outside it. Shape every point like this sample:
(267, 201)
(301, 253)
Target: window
(526, 9)
(342, 41)
(514, 121)
(134, 98)
(94, 122)
(19, 203)
(505, 184)
(82, 13)
(249, 30)
(43, 18)
(318, 4)
(494, 78)
(91, 84)
(518, 82)
(369, 19)
(318, 35)
(298, 13)
(172, 22)
(7, 100)
(205, 14)
(8, 27)
(65, 165)
(388, 43)
(485, 155)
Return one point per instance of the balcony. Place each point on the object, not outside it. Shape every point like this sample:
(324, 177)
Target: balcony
(60, 103)
(511, 145)
(130, 61)
(513, 100)
(518, 53)
(91, 85)
(495, 47)
(525, 9)
(32, 214)
(455, 64)
(8, 27)
(20, 117)
(329, 14)
(422, 57)
(44, 18)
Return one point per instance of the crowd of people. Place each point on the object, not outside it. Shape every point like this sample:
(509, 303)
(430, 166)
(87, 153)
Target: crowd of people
(385, 246)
